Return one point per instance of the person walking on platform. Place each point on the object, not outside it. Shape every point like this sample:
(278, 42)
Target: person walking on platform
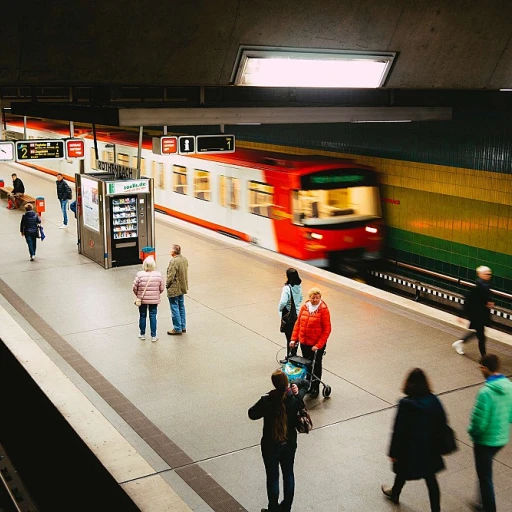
(279, 408)
(18, 189)
(414, 451)
(64, 194)
(29, 227)
(312, 330)
(477, 306)
(489, 426)
(147, 287)
(292, 288)
(177, 286)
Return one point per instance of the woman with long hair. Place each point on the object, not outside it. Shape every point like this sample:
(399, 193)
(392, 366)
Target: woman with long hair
(414, 450)
(292, 288)
(29, 226)
(279, 408)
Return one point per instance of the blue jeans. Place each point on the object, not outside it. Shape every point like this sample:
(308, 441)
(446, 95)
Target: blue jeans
(31, 242)
(179, 321)
(64, 207)
(483, 463)
(152, 318)
(279, 455)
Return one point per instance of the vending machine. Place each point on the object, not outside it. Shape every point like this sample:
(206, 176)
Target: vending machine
(115, 218)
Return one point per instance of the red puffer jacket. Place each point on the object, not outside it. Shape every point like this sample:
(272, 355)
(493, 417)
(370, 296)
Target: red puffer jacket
(313, 328)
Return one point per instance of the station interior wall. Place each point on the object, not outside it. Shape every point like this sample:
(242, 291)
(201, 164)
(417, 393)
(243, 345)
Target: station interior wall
(446, 187)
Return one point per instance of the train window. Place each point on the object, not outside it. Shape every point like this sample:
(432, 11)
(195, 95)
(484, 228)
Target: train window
(202, 188)
(123, 159)
(229, 192)
(158, 174)
(179, 174)
(93, 158)
(313, 207)
(261, 198)
(142, 165)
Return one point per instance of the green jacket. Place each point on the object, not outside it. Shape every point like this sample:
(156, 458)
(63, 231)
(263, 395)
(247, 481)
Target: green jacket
(492, 413)
(177, 276)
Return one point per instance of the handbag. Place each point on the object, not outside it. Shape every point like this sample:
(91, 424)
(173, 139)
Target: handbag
(137, 301)
(41, 232)
(304, 422)
(288, 318)
(446, 441)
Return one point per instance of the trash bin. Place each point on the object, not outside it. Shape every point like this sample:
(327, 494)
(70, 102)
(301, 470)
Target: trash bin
(40, 205)
(147, 251)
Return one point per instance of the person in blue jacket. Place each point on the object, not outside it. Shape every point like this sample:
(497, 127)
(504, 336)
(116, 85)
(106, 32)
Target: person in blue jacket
(291, 287)
(29, 226)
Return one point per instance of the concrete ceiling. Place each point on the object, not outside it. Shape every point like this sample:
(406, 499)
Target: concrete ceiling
(451, 44)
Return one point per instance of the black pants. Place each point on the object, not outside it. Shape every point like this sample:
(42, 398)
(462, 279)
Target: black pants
(432, 486)
(479, 333)
(288, 333)
(307, 352)
(483, 462)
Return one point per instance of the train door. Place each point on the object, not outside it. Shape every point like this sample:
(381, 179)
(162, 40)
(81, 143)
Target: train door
(229, 198)
(260, 208)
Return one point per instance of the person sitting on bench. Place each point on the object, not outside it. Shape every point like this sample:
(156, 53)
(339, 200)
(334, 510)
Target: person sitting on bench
(18, 189)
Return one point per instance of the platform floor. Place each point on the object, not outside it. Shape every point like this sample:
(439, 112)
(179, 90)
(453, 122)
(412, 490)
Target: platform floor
(181, 402)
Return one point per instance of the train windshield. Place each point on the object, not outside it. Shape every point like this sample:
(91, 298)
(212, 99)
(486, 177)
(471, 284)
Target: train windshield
(336, 206)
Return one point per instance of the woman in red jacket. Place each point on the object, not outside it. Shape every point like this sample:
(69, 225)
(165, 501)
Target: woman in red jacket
(312, 330)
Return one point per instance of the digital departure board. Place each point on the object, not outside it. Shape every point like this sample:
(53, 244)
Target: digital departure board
(215, 144)
(38, 149)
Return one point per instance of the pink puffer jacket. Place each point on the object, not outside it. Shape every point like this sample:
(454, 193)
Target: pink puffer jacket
(154, 289)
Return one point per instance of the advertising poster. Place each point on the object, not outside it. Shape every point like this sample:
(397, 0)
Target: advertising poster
(90, 206)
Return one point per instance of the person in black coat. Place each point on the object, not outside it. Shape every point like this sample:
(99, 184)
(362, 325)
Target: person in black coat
(414, 449)
(279, 410)
(18, 189)
(64, 194)
(477, 309)
(29, 226)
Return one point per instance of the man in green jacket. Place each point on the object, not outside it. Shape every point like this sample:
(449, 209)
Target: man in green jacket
(177, 285)
(489, 427)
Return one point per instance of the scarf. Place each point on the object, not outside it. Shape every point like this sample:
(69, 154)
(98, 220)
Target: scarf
(312, 308)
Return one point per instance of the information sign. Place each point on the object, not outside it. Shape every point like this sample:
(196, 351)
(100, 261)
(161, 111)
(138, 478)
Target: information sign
(187, 144)
(75, 149)
(215, 143)
(40, 150)
(6, 151)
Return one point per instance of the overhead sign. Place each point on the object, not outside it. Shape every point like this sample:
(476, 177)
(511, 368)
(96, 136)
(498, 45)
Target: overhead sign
(40, 150)
(215, 144)
(121, 171)
(75, 149)
(187, 145)
(6, 151)
(166, 145)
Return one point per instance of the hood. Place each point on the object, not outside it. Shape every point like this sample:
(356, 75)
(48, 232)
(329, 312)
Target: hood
(499, 385)
(423, 403)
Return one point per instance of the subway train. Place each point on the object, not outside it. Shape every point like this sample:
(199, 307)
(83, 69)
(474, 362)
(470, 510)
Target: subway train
(322, 210)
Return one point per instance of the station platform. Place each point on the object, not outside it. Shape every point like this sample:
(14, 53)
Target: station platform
(168, 419)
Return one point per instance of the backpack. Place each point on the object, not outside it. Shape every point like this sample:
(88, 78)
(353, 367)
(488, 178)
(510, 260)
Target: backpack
(69, 192)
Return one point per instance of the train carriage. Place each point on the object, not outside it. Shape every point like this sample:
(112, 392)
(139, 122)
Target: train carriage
(318, 209)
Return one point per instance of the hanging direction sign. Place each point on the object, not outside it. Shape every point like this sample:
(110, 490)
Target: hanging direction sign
(38, 149)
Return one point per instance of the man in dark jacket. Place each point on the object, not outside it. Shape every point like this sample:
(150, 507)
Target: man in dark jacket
(28, 228)
(477, 308)
(64, 194)
(18, 189)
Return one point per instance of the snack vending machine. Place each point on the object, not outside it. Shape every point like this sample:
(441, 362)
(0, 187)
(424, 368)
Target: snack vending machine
(115, 218)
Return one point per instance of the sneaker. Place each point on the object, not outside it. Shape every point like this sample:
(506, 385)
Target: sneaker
(64, 226)
(174, 333)
(31, 258)
(154, 338)
(142, 336)
(458, 347)
(283, 361)
(387, 491)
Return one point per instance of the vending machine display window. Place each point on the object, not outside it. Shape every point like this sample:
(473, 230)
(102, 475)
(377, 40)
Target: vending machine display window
(124, 218)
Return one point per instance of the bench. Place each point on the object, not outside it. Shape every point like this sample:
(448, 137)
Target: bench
(25, 198)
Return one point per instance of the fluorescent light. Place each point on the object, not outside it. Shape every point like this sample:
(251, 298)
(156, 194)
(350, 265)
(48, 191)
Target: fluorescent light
(506, 90)
(312, 68)
(382, 121)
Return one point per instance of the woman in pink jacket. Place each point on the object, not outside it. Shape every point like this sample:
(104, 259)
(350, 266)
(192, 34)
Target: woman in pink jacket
(148, 286)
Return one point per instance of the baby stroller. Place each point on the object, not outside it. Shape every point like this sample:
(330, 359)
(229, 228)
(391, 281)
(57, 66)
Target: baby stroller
(301, 368)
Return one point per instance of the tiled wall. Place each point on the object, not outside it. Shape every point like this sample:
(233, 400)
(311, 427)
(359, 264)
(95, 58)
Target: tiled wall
(448, 186)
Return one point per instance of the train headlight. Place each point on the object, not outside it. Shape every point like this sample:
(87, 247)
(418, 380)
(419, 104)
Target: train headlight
(371, 229)
(317, 236)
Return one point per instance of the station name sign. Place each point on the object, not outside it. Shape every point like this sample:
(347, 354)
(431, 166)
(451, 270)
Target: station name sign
(186, 145)
(118, 170)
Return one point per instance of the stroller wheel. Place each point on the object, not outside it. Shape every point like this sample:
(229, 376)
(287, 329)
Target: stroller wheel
(314, 392)
(326, 392)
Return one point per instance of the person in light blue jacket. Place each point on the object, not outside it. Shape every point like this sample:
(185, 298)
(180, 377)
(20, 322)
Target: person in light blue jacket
(291, 287)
